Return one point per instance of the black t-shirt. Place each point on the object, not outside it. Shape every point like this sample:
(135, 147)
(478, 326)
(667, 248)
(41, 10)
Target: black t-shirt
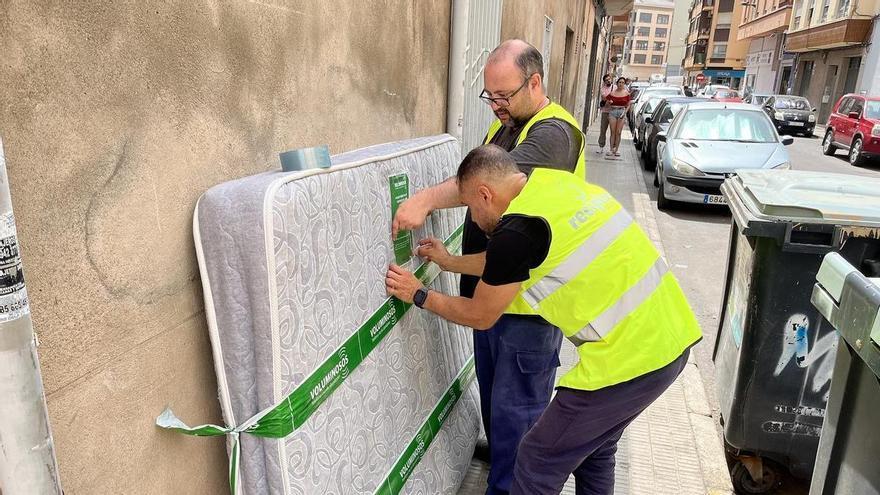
(518, 244)
(551, 143)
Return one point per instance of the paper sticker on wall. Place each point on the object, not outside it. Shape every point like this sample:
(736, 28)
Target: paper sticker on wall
(13, 295)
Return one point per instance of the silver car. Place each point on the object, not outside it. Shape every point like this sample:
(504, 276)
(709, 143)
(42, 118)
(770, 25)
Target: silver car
(707, 143)
(660, 91)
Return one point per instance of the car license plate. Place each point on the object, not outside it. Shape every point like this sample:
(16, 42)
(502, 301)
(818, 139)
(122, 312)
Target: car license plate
(714, 199)
(796, 124)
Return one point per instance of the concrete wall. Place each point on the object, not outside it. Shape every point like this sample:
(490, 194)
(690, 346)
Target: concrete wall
(115, 117)
(677, 38)
(765, 75)
(524, 19)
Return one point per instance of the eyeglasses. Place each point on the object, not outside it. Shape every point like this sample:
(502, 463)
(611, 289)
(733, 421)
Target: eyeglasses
(503, 101)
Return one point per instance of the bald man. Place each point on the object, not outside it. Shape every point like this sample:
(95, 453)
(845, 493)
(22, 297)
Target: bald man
(516, 359)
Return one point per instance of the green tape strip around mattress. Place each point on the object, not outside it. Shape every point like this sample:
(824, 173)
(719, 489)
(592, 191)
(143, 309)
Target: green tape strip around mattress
(293, 411)
(407, 462)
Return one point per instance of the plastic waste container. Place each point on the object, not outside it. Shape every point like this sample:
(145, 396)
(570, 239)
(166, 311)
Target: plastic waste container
(850, 443)
(774, 353)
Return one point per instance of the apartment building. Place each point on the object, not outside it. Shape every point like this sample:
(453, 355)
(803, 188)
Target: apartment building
(619, 27)
(714, 54)
(647, 42)
(762, 25)
(829, 39)
(678, 39)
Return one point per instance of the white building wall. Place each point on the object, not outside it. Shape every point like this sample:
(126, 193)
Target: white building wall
(759, 65)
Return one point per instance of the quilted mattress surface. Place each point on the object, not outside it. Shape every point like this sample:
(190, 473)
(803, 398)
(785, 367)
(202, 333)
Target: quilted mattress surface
(292, 264)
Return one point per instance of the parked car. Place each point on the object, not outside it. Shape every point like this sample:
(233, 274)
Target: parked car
(659, 121)
(636, 87)
(645, 93)
(756, 99)
(854, 125)
(707, 143)
(709, 90)
(644, 109)
(791, 114)
(727, 96)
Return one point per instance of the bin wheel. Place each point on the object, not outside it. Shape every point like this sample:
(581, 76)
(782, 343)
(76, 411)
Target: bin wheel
(743, 482)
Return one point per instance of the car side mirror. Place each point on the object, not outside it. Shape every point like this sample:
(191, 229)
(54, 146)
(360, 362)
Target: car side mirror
(649, 120)
(787, 140)
(661, 136)
(854, 115)
(814, 109)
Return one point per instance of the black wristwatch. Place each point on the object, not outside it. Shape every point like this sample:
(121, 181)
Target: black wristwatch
(420, 297)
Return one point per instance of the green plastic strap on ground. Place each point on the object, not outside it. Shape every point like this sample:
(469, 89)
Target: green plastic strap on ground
(280, 420)
(416, 449)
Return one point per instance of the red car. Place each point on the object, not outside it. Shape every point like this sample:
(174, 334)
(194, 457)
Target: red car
(854, 126)
(727, 96)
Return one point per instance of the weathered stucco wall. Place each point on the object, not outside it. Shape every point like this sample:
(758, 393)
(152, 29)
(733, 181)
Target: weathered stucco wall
(115, 117)
(524, 19)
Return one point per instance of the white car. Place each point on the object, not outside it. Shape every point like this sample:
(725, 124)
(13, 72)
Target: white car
(709, 90)
(707, 143)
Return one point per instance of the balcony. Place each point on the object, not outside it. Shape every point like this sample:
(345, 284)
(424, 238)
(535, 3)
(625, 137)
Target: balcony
(845, 32)
(618, 7)
(774, 22)
(707, 4)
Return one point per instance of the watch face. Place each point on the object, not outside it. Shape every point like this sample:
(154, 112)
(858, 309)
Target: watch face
(419, 297)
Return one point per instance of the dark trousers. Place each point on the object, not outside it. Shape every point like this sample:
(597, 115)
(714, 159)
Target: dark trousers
(516, 363)
(578, 434)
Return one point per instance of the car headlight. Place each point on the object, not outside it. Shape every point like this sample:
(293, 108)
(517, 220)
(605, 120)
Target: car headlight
(779, 116)
(783, 166)
(875, 131)
(811, 118)
(685, 168)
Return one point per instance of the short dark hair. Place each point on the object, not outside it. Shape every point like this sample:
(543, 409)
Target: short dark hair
(484, 160)
(530, 61)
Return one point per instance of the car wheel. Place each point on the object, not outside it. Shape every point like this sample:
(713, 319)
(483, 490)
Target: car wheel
(636, 143)
(828, 147)
(662, 202)
(856, 159)
(656, 178)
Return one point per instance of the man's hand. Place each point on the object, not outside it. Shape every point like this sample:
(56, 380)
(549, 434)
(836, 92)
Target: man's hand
(401, 283)
(411, 215)
(433, 249)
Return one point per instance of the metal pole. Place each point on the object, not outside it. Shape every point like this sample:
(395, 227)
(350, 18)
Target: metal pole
(27, 454)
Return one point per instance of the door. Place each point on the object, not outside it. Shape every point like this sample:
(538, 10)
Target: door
(806, 76)
(858, 107)
(844, 128)
(852, 75)
(827, 102)
(784, 80)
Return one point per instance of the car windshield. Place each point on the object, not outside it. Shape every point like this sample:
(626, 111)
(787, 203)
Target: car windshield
(650, 105)
(759, 99)
(725, 93)
(726, 125)
(872, 110)
(792, 103)
(670, 112)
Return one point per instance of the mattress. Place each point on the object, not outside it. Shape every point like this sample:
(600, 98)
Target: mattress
(292, 265)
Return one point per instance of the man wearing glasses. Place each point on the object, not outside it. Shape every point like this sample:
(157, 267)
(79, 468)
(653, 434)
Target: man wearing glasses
(516, 359)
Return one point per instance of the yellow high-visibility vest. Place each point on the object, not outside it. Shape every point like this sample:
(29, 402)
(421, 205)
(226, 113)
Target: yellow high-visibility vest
(603, 283)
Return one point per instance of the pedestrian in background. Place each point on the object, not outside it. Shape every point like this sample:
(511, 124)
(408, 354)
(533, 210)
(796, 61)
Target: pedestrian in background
(604, 108)
(619, 100)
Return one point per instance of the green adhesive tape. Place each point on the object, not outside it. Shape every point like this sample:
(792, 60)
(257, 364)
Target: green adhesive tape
(293, 411)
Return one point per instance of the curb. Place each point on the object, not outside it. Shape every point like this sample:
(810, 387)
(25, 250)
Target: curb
(713, 464)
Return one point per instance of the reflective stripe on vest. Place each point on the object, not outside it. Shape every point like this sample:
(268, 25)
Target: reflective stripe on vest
(597, 329)
(585, 254)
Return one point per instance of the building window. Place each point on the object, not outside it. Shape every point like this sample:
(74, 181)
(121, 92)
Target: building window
(843, 11)
(722, 34)
(662, 19)
(660, 33)
(725, 6)
(659, 46)
(642, 45)
(825, 11)
(643, 31)
(638, 58)
(645, 17)
(656, 59)
(719, 50)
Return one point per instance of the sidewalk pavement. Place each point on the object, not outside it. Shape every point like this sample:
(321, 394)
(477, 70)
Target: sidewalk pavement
(673, 447)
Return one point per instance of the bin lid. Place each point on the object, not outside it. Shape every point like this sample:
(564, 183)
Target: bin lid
(813, 197)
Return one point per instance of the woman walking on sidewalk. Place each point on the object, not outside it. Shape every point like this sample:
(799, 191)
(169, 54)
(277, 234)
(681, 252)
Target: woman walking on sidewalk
(618, 100)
